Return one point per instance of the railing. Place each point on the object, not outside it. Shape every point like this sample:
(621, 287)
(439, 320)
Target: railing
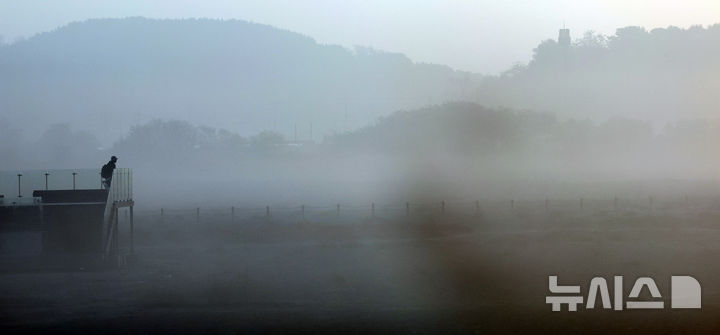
(121, 186)
(119, 194)
(17, 186)
(22, 183)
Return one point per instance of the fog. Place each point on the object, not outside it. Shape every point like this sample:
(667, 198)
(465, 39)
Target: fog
(259, 106)
(282, 177)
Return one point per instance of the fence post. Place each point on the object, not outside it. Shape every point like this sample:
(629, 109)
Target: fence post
(46, 181)
(197, 215)
(74, 174)
(19, 191)
(407, 209)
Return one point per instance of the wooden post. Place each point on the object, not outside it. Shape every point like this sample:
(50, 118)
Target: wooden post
(19, 191)
(74, 174)
(46, 181)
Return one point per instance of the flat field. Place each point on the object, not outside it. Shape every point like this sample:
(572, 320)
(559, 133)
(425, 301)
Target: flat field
(424, 274)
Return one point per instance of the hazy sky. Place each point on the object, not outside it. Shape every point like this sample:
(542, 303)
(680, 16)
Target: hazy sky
(482, 36)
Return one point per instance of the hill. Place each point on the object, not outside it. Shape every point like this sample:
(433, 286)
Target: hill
(662, 75)
(105, 75)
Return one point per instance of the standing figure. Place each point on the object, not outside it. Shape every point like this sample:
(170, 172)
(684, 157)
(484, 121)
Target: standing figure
(107, 172)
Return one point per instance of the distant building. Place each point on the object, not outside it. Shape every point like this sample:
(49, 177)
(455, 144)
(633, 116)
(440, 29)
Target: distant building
(564, 37)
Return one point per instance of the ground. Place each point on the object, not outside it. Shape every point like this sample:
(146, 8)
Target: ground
(449, 274)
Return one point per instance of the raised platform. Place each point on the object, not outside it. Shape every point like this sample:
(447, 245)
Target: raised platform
(72, 196)
(80, 224)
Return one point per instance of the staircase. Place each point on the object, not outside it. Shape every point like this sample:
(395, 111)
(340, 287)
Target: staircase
(119, 196)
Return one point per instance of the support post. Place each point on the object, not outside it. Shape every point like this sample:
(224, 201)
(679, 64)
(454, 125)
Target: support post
(116, 240)
(46, 181)
(132, 231)
(74, 174)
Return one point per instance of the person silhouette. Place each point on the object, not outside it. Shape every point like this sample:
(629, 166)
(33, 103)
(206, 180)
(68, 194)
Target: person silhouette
(107, 171)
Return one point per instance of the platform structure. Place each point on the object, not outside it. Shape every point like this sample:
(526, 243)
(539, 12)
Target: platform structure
(76, 218)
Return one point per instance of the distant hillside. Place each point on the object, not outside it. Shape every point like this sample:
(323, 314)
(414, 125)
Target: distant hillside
(466, 138)
(105, 75)
(660, 75)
